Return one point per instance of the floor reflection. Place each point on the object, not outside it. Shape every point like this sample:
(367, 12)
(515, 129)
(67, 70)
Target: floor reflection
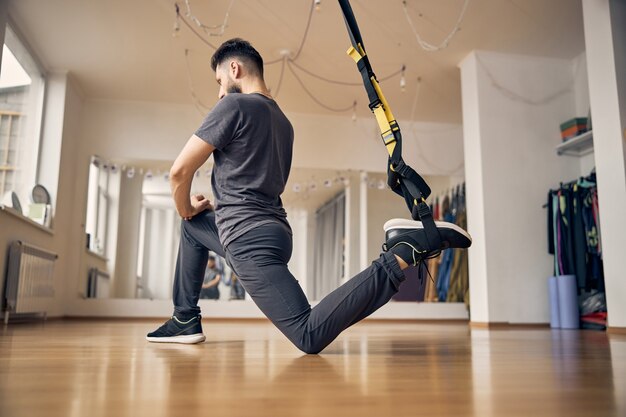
(81, 368)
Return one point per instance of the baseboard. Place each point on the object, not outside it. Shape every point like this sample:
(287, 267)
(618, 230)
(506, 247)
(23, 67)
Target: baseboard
(616, 330)
(414, 320)
(507, 325)
(156, 319)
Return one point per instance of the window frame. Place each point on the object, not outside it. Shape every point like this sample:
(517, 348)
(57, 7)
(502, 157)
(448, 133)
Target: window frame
(34, 109)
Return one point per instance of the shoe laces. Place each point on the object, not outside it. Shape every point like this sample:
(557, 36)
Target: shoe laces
(424, 266)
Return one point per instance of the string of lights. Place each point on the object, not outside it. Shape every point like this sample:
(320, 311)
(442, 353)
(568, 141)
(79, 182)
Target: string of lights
(205, 28)
(285, 60)
(180, 18)
(426, 45)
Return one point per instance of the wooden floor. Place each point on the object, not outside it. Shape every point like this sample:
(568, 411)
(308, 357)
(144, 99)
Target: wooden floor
(101, 368)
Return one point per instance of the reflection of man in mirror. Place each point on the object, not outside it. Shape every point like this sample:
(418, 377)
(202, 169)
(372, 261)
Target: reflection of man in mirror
(211, 281)
(236, 289)
(251, 141)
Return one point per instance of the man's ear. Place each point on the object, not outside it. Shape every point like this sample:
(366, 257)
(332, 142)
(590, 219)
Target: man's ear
(235, 69)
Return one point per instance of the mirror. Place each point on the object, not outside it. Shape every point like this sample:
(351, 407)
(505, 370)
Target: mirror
(133, 229)
(132, 225)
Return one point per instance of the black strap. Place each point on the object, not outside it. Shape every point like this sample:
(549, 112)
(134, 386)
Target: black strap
(401, 178)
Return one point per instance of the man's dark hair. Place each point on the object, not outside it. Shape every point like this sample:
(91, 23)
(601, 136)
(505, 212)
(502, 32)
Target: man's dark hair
(238, 48)
(211, 258)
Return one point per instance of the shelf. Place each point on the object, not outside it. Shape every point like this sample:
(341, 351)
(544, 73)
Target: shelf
(577, 146)
(11, 211)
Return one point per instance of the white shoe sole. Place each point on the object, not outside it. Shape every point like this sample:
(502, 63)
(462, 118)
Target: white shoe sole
(412, 224)
(188, 339)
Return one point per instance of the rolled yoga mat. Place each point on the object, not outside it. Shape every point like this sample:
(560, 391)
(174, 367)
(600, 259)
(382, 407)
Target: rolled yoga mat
(568, 301)
(555, 320)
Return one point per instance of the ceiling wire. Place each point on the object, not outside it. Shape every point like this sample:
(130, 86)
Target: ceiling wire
(328, 80)
(280, 79)
(444, 44)
(333, 109)
(182, 19)
(198, 104)
(206, 28)
(304, 37)
(286, 61)
(420, 150)
(520, 98)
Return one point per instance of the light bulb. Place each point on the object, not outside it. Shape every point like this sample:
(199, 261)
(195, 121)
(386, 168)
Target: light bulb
(318, 5)
(403, 80)
(354, 112)
(176, 29)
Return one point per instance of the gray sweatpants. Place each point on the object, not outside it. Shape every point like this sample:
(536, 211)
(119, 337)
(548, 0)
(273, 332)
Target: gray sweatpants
(259, 258)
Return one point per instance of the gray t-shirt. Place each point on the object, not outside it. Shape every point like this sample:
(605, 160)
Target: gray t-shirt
(254, 142)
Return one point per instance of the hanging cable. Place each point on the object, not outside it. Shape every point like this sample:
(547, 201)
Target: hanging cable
(304, 37)
(520, 98)
(280, 78)
(328, 80)
(333, 109)
(306, 32)
(444, 44)
(198, 104)
(206, 28)
(182, 19)
(420, 150)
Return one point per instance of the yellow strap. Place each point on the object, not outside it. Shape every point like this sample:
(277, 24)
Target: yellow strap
(386, 122)
(385, 129)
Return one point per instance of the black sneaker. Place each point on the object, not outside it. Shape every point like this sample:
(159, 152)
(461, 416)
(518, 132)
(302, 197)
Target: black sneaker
(178, 331)
(407, 239)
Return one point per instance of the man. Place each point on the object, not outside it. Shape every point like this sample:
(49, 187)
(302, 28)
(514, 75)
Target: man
(251, 141)
(212, 277)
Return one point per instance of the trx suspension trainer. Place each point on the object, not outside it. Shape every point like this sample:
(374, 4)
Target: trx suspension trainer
(401, 178)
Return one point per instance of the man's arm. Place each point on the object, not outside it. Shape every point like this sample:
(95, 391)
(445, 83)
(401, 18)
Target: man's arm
(194, 154)
(213, 282)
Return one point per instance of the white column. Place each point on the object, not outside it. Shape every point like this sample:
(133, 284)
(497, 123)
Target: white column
(605, 41)
(512, 107)
(353, 226)
(364, 260)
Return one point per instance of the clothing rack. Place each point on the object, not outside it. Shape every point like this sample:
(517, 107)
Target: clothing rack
(574, 238)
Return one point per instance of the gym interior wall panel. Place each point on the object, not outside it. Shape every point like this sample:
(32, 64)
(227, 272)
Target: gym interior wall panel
(511, 133)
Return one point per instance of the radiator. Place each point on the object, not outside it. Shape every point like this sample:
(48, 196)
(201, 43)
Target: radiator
(29, 280)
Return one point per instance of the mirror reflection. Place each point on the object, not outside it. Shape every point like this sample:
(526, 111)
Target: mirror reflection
(132, 225)
(133, 232)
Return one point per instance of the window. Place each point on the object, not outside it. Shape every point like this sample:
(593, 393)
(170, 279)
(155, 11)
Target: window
(97, 205)
(21, 106)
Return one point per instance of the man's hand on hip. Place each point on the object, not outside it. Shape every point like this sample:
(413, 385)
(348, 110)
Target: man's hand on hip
(198, 204)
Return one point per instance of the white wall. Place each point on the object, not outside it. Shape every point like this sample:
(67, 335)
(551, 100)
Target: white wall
(63, 109)
(510, 165)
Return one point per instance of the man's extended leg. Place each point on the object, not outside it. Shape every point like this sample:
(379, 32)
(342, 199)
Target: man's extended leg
(259, 258)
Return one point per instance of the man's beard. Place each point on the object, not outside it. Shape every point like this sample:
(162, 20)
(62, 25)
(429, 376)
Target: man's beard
(233, 88)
